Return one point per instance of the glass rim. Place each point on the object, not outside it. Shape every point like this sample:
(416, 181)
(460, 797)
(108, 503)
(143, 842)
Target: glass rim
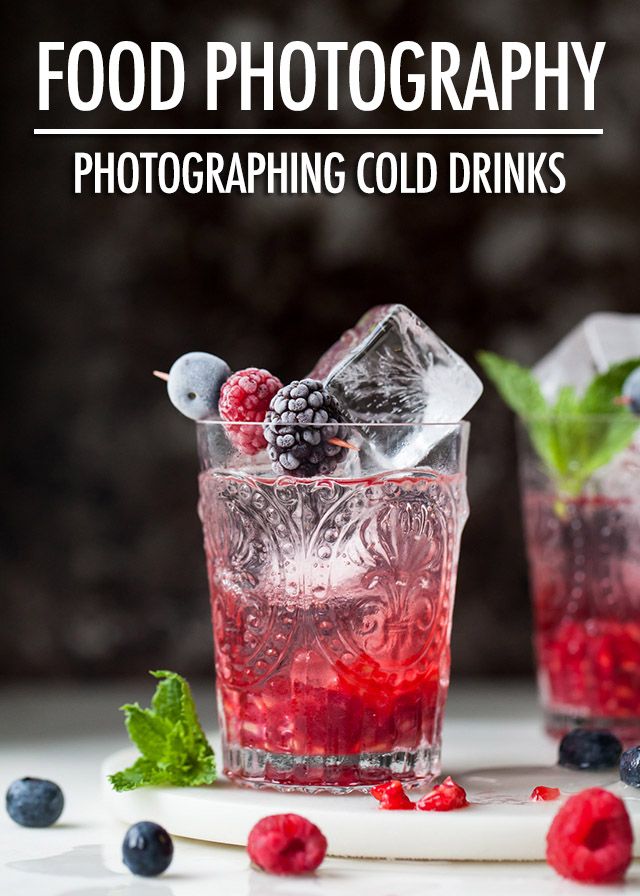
(463, 425)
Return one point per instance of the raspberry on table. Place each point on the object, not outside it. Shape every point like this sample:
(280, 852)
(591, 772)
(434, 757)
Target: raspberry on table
(286, 844)
(590, 839)
(444, 797)
(542, 794)
(391, 795)
(305, 431)
(245, 397)
(584, 748)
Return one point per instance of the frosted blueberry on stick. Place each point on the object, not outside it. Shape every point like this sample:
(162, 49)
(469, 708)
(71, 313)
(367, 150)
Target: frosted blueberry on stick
(194, 384)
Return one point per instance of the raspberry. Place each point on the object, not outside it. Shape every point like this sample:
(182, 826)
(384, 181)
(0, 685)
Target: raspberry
(391, 795)
(542, 794)
(304, 430)
(590, 838)
(286, 844)
(245, 397)
(444, 797)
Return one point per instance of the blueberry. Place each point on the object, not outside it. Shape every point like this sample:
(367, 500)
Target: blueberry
(34, 802)
(631, 390)
(630, 767)
(147, 849)
(194, 384)
(586, 749)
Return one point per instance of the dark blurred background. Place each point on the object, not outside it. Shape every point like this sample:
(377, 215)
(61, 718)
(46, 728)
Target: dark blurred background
(102, 570)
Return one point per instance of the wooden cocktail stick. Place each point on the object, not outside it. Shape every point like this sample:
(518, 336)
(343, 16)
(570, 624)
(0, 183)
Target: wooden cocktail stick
(339, 442)
(342, 444)
(622, 400)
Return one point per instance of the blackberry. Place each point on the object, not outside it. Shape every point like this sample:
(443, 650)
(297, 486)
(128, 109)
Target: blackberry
(301, 428)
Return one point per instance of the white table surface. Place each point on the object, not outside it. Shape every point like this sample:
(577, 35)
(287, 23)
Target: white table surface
(63, 733)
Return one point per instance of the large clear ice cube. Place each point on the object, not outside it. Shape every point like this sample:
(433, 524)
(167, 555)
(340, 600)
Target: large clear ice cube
(349, 340)
(401, 372)
(392, 368)
(601, 340)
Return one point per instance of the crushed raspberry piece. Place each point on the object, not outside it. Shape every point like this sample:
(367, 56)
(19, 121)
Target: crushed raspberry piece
(542, 794)
(590, 838)
(391, 795)
(444, 797)
(245, 397)
(286, 844)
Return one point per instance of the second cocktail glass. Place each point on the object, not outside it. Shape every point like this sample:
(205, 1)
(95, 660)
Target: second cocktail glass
(332, 600)
(584, 565)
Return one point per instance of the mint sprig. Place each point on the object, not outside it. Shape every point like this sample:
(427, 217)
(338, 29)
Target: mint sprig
(576, 435)
(173, 747)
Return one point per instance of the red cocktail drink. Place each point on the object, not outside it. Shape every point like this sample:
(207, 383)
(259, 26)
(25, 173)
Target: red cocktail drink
(331, 601)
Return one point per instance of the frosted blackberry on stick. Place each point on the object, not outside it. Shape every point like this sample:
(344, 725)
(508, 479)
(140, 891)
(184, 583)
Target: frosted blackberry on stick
(304, 430)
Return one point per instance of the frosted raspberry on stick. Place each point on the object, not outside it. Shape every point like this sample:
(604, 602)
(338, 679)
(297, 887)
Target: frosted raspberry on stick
(245, 398)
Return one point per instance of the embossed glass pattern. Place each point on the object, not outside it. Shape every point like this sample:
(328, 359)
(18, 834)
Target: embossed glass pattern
(331, 601)
(584, 563)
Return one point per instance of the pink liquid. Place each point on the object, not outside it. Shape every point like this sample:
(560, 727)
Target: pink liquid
(585, 570)
(331, 606)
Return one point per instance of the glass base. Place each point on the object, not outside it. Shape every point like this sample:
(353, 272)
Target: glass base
(558, 723)
(329, 774)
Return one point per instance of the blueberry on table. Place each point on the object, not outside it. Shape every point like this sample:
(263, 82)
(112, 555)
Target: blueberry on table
(588, 749)
(630, 767)
(194, 384)
(34, 802)
(631, 390)
(147, 849)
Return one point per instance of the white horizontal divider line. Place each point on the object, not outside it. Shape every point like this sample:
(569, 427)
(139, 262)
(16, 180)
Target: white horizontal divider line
(317, 132)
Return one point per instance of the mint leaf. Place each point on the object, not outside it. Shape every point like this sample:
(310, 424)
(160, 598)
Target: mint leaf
(517, 385)
(521, 391)
(140, 774)
(605, 388)
(578, 435)
(174, 749)
(147, 730)
(167, 700)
